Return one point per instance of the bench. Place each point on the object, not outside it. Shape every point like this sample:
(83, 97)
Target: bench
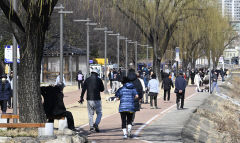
(22, 125)
(17, 125)
(9, 116)
(44, 129)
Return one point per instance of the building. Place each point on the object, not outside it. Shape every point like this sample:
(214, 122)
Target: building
(74, 59)
(230, 8)
(230, 53)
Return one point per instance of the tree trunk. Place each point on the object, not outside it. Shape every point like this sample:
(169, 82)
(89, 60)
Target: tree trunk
(29, 96)
(156, 62)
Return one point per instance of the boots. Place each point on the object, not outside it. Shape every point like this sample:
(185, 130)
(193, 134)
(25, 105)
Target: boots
(129, 131)
(124, 133)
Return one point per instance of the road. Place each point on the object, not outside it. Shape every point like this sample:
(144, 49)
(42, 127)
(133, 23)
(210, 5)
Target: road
(111, 125)
(168, 128)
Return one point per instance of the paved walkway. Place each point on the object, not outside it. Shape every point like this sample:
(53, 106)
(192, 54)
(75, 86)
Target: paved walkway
(168, 128)
(111, 126)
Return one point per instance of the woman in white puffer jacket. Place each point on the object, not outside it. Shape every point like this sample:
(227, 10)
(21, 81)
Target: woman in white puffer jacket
(197, 80)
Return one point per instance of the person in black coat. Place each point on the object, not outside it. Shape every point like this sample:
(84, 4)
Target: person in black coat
(132, 77)
(54, 106)
(192, 74)
(94, 86)
(180, 86)
(5, 93)
(166, 85)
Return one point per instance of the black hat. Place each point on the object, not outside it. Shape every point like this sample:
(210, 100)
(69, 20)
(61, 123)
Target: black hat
(180, 72)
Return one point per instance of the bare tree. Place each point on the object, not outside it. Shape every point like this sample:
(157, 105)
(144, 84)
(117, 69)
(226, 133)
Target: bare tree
(31, 24)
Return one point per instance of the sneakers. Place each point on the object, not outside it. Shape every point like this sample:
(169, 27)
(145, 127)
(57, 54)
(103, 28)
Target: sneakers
(129, 131)
(91, 129)
(156, 107)
(124, 133)
(130, 135)
(151, 107)
(9, 106)
(96, 128)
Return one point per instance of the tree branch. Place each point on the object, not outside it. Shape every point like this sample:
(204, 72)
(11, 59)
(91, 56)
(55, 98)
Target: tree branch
(134, 21)
(11, 14)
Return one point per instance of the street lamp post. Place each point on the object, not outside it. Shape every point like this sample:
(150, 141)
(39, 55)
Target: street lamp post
(210, 74)
(126, 56)
(136, 58)
(14, 69)
(87, 24)
(61, 12)
(144, 46)
(147, 55)
(118, 45)
(105, 56)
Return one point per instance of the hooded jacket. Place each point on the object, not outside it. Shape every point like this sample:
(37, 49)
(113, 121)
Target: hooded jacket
(5, 90)
(126, 94)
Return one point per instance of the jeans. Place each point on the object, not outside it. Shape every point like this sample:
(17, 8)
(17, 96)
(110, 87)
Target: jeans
(10, 101)
(180, 96)
(114, 86)
(3, 104)
(126, 119)
(165, 94)
(80, 83)
(214, 84)
(153, 96)
(111, 84)
(223, 79)
(146, 97)
(92, 106)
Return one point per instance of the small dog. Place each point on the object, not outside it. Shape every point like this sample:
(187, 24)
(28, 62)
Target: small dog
(111, 99)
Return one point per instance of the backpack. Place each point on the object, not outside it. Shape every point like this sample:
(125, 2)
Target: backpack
(80, 77)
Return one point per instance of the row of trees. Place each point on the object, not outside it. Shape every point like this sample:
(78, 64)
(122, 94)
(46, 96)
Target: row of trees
(193, 25)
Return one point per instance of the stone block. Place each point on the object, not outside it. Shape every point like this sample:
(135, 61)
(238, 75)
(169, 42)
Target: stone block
(46, 131)
(62, 124)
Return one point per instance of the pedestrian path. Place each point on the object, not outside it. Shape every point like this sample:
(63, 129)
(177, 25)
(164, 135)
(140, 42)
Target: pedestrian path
(168, 128)
(110, 126)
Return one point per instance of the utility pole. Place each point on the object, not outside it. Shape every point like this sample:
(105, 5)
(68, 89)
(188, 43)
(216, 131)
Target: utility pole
(136, 56)
(15, 68)
(118, 46)
(105, 56)
(148, 55)
(87, 24)
(136, 46)
(126, 56)
(210, 74)
(61, 12)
